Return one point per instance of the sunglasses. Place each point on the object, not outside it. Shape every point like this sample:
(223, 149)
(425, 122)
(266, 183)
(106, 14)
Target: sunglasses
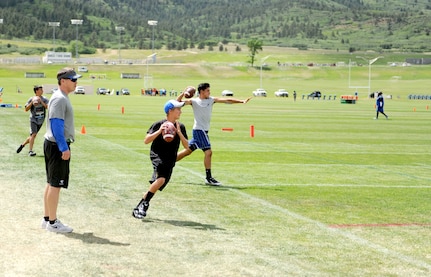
(74, 80)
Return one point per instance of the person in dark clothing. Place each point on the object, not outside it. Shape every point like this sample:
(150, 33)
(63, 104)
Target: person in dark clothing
(379, 105)
(163, 154)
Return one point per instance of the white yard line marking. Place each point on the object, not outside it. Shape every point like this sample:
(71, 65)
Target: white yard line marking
(336, 185)
(338, 232)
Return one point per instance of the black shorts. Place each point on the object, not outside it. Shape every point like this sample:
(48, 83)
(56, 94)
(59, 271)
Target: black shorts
(161, 170)
(34, 128)
(57, 169)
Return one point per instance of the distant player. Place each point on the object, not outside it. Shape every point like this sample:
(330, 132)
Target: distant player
(379, 105)
(37, 106)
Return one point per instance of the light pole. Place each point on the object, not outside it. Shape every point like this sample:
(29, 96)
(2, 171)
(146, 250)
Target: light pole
(148, 80)
(152, 23)
(76, 22)
(370, 62)
(261, 64)
(53, 25)
(1, 22)
(120, 31)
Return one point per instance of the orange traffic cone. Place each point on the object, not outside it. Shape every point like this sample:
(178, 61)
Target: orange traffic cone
(227, 129)
(83, 131)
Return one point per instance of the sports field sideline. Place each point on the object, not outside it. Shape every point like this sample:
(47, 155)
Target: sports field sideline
(322, 189)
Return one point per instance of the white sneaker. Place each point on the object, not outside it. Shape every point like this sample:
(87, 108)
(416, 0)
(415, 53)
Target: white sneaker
(43, 223)
(58, 227)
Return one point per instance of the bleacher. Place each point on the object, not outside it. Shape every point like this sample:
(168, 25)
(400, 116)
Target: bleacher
(419, 97)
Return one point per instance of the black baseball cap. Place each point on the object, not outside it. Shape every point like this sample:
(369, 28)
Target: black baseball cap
(67, 73)
(36, 87)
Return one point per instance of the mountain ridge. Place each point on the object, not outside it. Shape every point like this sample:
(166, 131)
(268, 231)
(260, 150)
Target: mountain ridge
(388, 25)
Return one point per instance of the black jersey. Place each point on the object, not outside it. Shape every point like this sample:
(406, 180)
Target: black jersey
(166, 151)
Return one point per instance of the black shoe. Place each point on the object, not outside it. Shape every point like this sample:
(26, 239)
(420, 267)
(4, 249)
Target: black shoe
(138, 214)
(141, 210)
(20, 148)
(146, 205)
(212, 182)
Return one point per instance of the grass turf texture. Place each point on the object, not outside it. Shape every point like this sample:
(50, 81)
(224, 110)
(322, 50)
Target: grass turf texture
(312, 168)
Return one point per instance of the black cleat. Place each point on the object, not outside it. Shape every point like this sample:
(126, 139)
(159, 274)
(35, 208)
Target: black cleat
(141, 210)
(20, 148)
(212, 182)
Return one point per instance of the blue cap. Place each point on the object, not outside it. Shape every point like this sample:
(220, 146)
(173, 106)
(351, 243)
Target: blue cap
(172, 104)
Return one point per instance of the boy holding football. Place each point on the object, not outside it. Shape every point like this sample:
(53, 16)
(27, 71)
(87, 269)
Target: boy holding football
(163, 152)
(37, 106)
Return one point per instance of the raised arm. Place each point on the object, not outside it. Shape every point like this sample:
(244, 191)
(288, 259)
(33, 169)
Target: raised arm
(186, 101)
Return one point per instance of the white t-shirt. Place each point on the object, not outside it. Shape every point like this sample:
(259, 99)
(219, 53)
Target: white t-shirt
(202, 110)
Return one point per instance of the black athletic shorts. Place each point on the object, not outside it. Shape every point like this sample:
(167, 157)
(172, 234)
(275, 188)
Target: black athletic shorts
(57, 169)
(161, 169)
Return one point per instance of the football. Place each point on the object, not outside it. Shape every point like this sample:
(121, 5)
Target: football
(36, 100)
(189, 92)
(169, 131)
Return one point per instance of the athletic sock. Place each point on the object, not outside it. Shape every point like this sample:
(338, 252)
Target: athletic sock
(140, 202)
(46, 218)
(208, 172)
(148, 196)
(52, 221)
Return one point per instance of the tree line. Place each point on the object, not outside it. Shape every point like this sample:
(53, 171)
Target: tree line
(183, 24)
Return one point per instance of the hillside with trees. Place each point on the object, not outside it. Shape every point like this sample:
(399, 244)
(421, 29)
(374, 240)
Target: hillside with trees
(353, 25)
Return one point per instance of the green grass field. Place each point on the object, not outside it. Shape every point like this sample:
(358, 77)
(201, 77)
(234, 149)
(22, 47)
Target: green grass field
(322, 189)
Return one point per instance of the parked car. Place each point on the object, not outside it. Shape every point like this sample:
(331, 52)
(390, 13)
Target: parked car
(315, 94)
(259, 92)
(82, 69)
(281, 93)
(227, 92)
(79, 90)
(125, 91)
(102, 91)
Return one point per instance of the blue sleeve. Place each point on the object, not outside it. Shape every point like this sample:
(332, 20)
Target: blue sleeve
(57, 128)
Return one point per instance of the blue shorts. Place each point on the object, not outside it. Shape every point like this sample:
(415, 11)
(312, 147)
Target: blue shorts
(200, 140)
